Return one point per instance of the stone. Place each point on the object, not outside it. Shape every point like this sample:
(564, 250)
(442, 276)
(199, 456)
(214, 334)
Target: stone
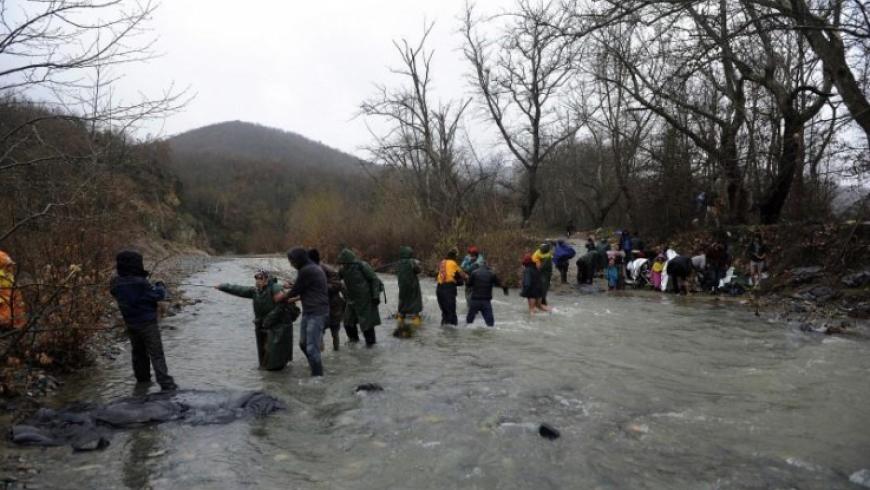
(369, 387)
(547, 431)
(803, 275)
(856, 280)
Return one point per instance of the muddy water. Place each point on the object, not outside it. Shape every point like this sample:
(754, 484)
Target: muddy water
(657, 392)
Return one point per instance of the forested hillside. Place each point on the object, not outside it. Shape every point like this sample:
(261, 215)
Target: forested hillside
(241, 179)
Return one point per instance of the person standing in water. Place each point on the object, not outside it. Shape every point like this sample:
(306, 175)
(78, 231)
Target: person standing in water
(481, 282)
(543, 259)
(363, 294)
(273, 319)
(137, 299)
(532, 288)
(336, 300)
(410, 296)
(449, 273)
(562, 258)
(469, 264)
(311, 290)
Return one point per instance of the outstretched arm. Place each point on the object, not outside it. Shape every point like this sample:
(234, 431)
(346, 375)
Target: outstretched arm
(237, 290)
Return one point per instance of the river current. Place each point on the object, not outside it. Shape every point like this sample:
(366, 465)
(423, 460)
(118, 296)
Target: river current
(647, 392)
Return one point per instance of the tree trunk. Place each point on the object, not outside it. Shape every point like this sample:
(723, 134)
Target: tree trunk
(532, 195)
(792, 149)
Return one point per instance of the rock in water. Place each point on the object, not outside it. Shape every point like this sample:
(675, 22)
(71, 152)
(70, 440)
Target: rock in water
(547, 431)
(369, 387)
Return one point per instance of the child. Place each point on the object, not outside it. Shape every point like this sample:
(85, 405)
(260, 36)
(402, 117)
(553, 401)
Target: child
(612, 273)
(656, 272)
(137, 299)
(532, 286)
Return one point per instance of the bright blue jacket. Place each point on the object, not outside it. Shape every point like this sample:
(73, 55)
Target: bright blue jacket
(563, 253)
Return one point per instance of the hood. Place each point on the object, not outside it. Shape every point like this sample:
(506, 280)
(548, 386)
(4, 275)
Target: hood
(406, 253)
(346, 257)
(130, 263)
(298, 257)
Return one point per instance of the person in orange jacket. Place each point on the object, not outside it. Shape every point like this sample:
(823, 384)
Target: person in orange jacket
(13, 310)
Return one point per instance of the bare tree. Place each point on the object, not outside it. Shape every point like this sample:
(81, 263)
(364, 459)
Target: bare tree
(524, 79)
(421, 144)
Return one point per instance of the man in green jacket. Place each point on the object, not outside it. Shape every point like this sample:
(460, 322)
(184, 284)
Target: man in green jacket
(362, 294)
(410, 297)
(273, 319)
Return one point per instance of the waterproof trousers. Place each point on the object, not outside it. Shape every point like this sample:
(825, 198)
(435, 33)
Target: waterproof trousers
(484, 306)
(446, 294)
(147, 352)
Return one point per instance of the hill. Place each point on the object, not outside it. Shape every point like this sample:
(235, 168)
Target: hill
(241, 179)
(253, 141)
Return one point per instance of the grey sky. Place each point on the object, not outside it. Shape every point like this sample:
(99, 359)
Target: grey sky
(300, 66)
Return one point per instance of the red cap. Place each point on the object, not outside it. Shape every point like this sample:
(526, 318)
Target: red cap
(472, 250)
(527, 259)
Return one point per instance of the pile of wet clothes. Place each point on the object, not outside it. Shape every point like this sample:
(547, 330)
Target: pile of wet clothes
(89, 426)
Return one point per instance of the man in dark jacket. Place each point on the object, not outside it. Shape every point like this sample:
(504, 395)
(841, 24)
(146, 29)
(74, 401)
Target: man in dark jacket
(481, 282)
(363, 294)
(310, 288)
(336, 300)
(137, 299)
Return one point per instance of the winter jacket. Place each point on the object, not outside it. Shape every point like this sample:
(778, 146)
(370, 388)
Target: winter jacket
(334, 290)
(310, 284)
(267, 313)
(481, 282)
(563, 253)
(362, 289)
(137, 299)
(470, 264)
(410, 296)
(532, 287)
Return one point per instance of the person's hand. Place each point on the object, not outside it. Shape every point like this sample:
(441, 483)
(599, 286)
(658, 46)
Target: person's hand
(288, 285)
(505, 291)
(217, 286)
(376, 301)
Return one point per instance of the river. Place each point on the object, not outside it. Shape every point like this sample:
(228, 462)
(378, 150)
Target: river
(647, 391)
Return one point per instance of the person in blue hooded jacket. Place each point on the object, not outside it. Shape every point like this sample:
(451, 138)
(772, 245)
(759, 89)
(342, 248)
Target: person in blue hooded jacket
(562, 258)
(137, 299)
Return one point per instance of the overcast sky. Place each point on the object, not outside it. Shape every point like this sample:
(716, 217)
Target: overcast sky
(299, 66)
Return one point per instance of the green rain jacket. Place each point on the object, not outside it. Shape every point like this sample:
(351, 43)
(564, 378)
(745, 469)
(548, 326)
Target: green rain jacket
(362, 291)
(410, 297)
(275, 320)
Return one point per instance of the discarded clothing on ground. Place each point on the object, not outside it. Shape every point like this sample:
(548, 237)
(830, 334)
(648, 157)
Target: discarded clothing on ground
(88, 426)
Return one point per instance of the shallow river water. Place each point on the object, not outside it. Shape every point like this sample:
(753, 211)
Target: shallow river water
(648, 392)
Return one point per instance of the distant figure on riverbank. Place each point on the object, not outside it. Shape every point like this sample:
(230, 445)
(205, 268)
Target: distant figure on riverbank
(532, 288)
(273, 319)
(757, 255)
(137, 299)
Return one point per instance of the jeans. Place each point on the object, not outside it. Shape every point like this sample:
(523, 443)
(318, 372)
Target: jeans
(484, 306)
(310, 334)
(446, 294)
(147, 352)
